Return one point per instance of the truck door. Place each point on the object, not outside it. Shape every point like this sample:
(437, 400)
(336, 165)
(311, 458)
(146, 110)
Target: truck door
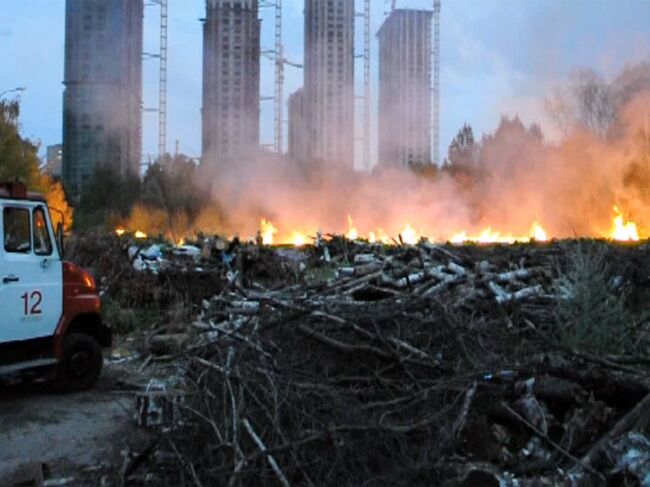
(31, 274)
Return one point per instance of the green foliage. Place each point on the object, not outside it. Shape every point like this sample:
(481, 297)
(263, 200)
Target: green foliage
(111, 190)
(125, 317)
(124, 320)
(19, 160)
(591, 316)
(170, 184)
(18, 156)
(164, 201)
(109, 195)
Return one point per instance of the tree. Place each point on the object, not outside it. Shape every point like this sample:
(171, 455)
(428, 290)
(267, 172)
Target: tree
(463, 158)
(170, 185)
(108, 196)
(586, 103)
(633, 80)
(19, 161)
(18, 156)
(591, 103)
(463, 150)
(511, 142)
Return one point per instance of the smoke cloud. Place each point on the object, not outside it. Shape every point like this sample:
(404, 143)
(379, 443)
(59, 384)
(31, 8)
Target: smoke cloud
(570, 187)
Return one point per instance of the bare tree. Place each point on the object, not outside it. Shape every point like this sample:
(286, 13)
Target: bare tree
(591, 103)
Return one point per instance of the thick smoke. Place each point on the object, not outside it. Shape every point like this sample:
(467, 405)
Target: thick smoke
(515, 178)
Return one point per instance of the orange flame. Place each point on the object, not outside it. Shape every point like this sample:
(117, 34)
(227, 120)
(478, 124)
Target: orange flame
(267, 231)
(538, 233)
(623, 230)
(489, 236)
(299, 239)
(409, 235)
(352, 234)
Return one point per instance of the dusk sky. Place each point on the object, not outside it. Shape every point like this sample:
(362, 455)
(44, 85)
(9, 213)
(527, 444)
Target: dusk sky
(498, 57)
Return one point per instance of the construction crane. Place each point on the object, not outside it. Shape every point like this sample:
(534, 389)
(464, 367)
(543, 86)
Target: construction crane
(279, 80)
(436, 82)
(277, 56)
(365, 96)
(366, 85)
(161, 55)
(162, 89)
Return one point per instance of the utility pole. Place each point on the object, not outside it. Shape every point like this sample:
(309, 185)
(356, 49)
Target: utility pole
(436, 82)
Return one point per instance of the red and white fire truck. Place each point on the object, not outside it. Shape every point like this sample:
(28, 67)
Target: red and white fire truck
(50, 322)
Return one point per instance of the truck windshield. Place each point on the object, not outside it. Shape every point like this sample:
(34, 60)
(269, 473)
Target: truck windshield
(17, 235)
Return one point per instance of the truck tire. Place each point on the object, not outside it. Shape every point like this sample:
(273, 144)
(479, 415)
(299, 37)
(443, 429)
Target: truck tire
(81, 364)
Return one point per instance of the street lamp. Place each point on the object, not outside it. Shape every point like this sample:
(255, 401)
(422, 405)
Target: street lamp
(20, 89)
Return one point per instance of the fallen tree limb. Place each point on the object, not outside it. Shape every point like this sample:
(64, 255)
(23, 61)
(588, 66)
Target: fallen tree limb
(260, 444)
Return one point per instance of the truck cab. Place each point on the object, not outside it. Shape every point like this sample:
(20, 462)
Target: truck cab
(50, 321)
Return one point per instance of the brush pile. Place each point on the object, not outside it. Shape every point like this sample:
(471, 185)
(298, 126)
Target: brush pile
(407, 365)
(157, 274)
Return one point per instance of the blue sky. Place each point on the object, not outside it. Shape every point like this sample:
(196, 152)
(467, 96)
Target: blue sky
(498, 57)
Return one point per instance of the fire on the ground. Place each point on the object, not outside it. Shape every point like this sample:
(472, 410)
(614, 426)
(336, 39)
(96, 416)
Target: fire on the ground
(622, 229)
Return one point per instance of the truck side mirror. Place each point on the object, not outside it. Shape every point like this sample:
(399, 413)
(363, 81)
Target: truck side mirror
(59, 238)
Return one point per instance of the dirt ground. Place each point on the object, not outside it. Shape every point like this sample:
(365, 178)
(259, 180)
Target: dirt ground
(75, 436)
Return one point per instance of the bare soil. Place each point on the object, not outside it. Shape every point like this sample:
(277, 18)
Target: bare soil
(73, 435)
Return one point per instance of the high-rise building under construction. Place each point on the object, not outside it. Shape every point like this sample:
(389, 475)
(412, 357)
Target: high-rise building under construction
(329, 81)
(102, 103)
(405, 88)
(231, 79)
(297, 119)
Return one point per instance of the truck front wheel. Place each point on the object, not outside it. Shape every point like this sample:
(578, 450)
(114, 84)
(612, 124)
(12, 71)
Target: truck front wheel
(81, 364)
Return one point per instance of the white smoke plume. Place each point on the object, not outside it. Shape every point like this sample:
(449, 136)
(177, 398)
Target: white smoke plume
(570, 187)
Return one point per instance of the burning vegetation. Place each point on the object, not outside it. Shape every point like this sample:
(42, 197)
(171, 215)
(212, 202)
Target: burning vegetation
(512, 185)
(317, 327)
(386, 346)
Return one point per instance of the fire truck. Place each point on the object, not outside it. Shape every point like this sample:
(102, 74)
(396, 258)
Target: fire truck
(50, 322)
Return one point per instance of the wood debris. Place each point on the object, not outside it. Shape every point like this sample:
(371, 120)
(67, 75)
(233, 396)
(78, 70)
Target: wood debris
(402, 365)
